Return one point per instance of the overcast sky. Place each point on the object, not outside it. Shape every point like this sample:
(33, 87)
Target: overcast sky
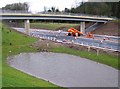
(38, 5)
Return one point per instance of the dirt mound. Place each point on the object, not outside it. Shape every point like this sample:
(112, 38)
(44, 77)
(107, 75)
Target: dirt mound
(45, 45)
(110, 28)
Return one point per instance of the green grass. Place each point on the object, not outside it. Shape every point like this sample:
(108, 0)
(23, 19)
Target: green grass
(101, 58)
(51, 26)
(12, 77)
(0, 55)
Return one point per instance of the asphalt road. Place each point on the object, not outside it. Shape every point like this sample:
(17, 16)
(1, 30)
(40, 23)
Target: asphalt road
(65, 70)
(62, 37)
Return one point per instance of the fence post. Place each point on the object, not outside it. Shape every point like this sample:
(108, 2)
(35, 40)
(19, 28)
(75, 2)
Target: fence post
(47, 44)
(89, 48)
(97, 52)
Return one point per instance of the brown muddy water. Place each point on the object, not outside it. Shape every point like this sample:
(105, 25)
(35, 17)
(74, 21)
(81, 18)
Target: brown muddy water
(65, 70)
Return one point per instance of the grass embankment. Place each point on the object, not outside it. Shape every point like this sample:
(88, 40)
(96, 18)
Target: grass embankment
(52, 26)
(101, 58)
(14, 43)
(0, 55)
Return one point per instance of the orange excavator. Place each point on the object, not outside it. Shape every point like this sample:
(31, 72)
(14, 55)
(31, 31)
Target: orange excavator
(74, 32)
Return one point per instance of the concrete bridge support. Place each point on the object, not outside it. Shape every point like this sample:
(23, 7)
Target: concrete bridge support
(82, 27)
(27, 26)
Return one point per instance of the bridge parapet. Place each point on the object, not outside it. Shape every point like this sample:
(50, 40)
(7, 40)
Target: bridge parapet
(77, 15)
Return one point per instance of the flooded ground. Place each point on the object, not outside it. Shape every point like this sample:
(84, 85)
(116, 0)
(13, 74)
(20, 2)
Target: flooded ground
(65, 70)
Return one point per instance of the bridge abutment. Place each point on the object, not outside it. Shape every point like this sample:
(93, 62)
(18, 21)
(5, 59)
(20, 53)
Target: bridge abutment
(27, 26)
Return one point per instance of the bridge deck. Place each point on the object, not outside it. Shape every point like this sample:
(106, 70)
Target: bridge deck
(53, 17)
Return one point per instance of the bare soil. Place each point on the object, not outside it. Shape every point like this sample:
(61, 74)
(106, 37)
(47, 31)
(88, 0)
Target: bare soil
(43, 45)
(110, 28)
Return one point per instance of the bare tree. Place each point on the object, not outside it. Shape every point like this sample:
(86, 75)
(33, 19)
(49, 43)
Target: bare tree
(53, 9)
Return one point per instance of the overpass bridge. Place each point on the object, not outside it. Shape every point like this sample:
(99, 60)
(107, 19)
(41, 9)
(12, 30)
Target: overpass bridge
(82, 19)
(58, 17)
(30, 16)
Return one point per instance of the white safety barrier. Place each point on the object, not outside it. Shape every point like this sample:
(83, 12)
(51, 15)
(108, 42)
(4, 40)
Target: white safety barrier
(94, 45)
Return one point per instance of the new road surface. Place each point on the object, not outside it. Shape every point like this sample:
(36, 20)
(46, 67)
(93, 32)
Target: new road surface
(65, 70)
(61, 36)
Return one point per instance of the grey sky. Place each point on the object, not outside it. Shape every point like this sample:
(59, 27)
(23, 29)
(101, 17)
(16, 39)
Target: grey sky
(38, 5)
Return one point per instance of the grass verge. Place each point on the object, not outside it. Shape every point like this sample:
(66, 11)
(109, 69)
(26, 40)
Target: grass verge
(14, 43)
(101, 58)
(51, 26)
(0, 55)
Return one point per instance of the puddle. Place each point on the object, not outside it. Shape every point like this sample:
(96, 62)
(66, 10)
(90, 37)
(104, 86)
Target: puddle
(65, 70)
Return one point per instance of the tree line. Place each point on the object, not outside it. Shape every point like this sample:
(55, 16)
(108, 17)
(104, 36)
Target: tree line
(25, 7)
(17, 6)
(98, 8)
